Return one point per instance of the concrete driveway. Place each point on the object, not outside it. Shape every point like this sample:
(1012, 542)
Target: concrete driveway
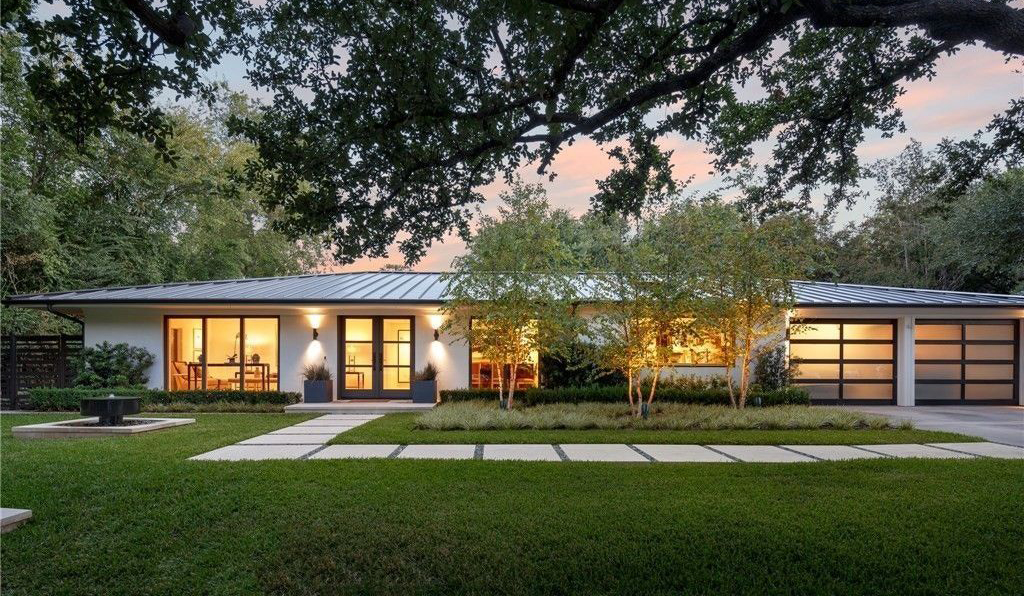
(1000, 424)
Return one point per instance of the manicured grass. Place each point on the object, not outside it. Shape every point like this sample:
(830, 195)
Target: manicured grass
(486, 415)
(132, 515)
(400, 428)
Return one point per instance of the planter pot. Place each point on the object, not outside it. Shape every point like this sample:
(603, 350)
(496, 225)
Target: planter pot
(424, 392)
(317, 392)
(111, 410)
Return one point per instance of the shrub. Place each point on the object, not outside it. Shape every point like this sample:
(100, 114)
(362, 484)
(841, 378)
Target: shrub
(57, 400)
(576, 366)
(772, 371)
(427, 373)
(214, 406)
(478, 415)
(670, 394)
(316, 372)
(113, 365)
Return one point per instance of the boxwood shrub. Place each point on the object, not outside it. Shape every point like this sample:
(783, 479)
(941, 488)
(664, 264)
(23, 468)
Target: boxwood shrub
(58, 400)
(712, 395)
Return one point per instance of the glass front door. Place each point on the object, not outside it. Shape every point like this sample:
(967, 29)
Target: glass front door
(376, 356)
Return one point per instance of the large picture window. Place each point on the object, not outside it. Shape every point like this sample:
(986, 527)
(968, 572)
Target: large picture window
(694, 350)
(958, 361)
(845, 360)
(483, 374)
(222, 353)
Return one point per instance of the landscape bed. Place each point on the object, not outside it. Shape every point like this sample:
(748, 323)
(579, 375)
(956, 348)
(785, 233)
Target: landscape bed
(402, 429)
(430, 527)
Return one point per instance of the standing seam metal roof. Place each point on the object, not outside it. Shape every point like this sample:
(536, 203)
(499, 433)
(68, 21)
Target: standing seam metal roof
(421, 287)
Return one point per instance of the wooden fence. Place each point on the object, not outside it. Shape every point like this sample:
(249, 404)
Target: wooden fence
(28, 361)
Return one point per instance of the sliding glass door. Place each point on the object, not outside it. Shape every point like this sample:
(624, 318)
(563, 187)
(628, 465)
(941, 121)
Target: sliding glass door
(376, 356)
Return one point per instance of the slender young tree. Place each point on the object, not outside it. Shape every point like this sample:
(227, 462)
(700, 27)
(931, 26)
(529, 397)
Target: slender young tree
(512, 293)
(744, 270)
(646, 299)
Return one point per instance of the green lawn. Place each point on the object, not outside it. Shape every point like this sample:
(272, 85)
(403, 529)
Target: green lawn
(132, 516)
(399, 429)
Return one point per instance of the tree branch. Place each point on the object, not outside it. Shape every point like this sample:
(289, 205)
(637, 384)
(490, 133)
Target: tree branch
(173, 32)
(993, 23)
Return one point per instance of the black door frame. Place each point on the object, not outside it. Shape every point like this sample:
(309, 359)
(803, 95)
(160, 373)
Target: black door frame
(377, 365)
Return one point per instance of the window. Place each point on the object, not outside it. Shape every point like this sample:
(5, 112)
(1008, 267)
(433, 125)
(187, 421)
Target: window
(694, 350)
(222, 353)
(965, 361)
(483, 372)
(845, 360)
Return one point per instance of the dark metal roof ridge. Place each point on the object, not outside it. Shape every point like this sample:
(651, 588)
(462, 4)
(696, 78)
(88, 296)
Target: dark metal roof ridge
(40, 295)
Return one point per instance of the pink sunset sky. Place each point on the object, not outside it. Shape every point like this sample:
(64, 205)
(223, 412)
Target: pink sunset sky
(969, 88)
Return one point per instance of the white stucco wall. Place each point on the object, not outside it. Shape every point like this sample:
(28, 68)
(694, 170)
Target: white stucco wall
(138, 327)
(144, 326)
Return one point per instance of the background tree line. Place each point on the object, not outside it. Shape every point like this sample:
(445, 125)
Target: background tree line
(928, 233)
(115, 213)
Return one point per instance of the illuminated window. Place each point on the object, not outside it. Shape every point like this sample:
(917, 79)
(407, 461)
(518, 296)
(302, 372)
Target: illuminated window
(694, 350)
(483, 372)
(222, 353)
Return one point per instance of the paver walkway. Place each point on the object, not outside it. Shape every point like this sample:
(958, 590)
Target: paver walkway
(308, 440)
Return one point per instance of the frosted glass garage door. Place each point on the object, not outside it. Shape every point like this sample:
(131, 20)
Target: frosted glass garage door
(845, 360)
(965, 361)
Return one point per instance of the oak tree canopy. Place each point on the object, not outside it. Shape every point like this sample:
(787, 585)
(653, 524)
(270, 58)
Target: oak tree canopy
(385, 117)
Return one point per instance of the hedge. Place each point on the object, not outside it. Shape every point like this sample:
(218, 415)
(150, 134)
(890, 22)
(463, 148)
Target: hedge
(530, 397)
(59, 400)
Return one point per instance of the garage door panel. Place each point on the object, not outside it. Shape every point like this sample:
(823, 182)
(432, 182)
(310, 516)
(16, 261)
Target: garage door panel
(867, 352)
(934, 391)
(988, 391)
(978, 361)
(845, 360)
(863, 370)
(880, 391)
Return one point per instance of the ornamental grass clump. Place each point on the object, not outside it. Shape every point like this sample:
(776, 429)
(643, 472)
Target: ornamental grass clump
(480, 415)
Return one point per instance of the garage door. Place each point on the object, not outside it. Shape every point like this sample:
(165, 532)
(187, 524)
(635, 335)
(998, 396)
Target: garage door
(965, 361)
(845, 361)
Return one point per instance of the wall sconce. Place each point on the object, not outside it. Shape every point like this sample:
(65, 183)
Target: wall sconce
(314, 322)
(436, 321)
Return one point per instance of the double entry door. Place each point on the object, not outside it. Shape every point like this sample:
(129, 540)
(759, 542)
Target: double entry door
(376, 354)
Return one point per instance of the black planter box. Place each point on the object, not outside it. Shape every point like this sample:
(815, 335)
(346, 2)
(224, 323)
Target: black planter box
(111, 410)
(317, 392)
(424, 392)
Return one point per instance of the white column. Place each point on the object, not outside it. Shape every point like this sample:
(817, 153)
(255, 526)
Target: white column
(905, 361)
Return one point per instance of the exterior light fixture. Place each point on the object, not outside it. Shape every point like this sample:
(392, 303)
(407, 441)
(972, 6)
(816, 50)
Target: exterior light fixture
(314, 322)
(436, 321)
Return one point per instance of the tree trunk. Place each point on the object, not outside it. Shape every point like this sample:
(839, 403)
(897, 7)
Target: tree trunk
(748, 340)
(512, 383)
(629, 387)
(501, 384)
(654, 385)
(639, 399)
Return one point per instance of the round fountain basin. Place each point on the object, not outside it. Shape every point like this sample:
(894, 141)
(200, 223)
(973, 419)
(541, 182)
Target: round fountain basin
(110, 410)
